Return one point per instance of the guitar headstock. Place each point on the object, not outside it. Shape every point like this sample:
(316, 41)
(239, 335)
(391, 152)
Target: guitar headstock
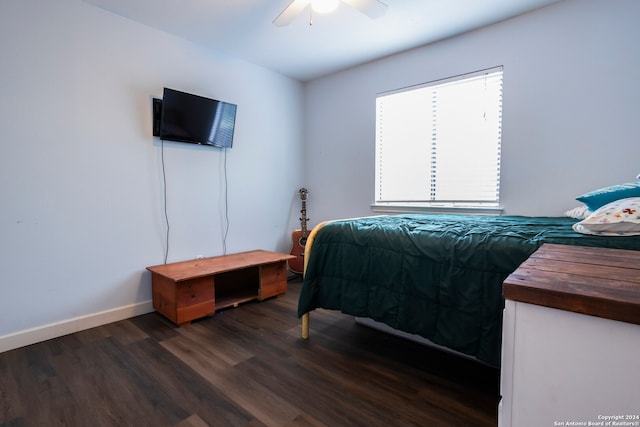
(303, 193)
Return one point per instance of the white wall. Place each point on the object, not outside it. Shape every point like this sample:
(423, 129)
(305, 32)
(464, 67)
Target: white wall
(570, 113)
(80, 173)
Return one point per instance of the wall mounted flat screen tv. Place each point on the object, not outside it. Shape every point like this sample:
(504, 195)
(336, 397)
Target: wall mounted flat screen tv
(195, 119)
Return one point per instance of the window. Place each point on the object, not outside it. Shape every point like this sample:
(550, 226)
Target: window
(438, 144)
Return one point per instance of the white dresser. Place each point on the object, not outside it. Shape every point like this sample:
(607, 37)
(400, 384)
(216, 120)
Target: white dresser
(571, 339)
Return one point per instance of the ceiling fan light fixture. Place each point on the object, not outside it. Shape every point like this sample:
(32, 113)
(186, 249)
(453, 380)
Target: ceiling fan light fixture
(372, 8)
(324, 6)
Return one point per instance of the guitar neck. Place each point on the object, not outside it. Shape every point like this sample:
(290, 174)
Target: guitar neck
(303, 218)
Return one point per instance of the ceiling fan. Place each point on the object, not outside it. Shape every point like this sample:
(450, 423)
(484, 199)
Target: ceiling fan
(372, 8)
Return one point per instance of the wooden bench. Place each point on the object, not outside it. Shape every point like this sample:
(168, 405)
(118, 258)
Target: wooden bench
(188, 290)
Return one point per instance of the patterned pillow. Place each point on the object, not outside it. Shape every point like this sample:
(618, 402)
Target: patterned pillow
(619, 218)
(598, 198)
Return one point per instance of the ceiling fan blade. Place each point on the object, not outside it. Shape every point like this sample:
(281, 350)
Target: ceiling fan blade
(372, 8)
(290, 12)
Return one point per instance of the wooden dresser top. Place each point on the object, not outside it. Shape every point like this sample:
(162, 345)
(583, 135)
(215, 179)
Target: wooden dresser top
(595, 281)
(190, 269)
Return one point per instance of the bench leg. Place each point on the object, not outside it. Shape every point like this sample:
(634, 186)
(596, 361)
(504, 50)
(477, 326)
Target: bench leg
(305, 326)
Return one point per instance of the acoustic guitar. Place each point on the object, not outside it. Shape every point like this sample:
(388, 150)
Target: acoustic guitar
(299, 237)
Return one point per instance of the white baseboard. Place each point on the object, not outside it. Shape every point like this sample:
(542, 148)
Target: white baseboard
(69, 326)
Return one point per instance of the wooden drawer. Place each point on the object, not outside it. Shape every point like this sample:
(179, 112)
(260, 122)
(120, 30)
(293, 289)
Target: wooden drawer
(273, 280)
(194, 291)
(183, 301)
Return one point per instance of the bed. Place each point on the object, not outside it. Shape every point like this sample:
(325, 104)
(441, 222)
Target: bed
(438, 276)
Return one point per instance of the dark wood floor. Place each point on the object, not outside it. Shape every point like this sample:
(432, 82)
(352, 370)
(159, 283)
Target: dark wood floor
(242, 367)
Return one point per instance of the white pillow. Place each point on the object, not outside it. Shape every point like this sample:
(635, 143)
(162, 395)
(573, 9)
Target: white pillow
(581, 212)
(618, 218)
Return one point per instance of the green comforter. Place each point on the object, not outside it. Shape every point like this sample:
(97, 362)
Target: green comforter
(439, 276)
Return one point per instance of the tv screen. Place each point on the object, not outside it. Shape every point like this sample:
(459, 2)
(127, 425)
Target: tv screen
(196, 119)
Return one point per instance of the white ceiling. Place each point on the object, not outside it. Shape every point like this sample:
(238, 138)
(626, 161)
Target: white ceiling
(244, 28)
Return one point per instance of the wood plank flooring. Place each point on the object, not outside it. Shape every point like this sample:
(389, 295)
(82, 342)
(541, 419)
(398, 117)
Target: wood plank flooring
(242, 367)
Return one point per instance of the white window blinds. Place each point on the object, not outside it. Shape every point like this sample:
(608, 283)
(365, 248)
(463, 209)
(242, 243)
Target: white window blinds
(439, 143)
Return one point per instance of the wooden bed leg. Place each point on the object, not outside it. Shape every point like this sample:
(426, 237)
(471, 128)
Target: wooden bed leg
(305, 326)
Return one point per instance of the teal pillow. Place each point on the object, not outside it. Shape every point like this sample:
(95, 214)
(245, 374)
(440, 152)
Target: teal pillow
(598, 198)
